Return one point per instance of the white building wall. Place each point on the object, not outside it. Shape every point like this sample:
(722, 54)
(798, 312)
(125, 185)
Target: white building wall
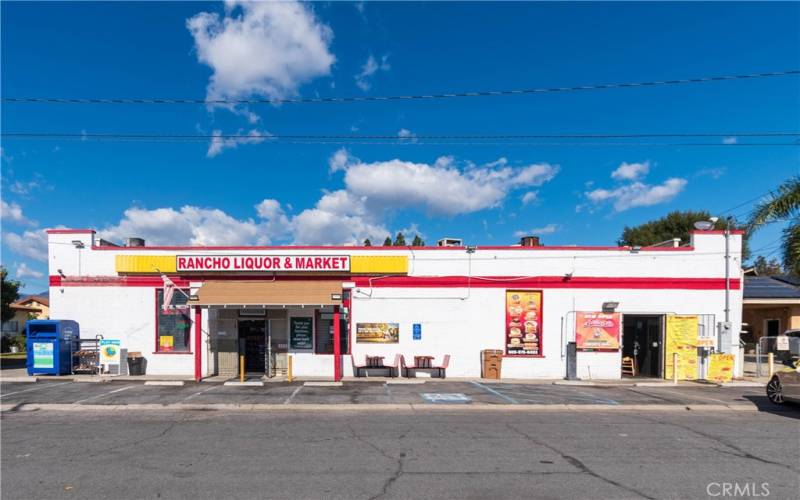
(455, 321)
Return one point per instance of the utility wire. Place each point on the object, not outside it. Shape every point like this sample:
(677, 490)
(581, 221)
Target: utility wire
(310, 100)
(394, 137)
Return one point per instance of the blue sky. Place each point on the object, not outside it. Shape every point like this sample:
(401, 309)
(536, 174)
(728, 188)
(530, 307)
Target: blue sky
(250, 192)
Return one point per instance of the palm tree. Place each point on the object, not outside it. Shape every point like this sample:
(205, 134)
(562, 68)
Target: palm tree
(782, 205)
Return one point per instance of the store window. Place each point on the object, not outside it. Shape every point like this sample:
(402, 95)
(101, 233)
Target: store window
(173, 325)
(324, 335)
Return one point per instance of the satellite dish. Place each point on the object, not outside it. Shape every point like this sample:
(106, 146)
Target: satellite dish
(704, 225)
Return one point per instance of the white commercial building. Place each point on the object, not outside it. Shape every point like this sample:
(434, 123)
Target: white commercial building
(529, 302)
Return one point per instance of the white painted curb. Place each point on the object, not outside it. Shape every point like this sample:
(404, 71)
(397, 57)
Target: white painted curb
(247, 383)
(164, 382)
(6, 380)
(323, 384)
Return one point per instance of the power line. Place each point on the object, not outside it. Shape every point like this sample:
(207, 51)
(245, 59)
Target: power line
(532, 140)
(310, 100)
(395, 137)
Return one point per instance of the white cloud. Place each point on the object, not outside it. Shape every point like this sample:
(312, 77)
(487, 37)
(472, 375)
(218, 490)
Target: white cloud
(631, 171)
(441, 188)
(372, 66)
(344, 216)
(23, 271)
(714, 173)
(32, 243)
(12, 213)
(548, 229)
(730, 140)
(219, 143)
(529, 197)
(404, 133)
(638, 194)
(261, 48)
(339, 160)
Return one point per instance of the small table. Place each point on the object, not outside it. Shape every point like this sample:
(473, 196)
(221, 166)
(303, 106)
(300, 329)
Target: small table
(423, 361)
(374, 361)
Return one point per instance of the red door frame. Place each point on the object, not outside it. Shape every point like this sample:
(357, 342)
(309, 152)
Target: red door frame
(337, 345)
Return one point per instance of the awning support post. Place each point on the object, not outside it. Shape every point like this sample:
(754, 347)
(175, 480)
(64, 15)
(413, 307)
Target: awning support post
(198, 354)
(337, 346)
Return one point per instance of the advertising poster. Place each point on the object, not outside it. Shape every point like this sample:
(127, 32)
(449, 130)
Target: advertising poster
(597, 330)
(682, 333)
(523, 322)
(43, 355)
(109, 352)
(300, 334)
(720, 367)
(166, 343)
(377, 333)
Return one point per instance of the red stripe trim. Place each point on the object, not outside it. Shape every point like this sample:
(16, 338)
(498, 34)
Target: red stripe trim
(70, 231)
(432, 282)
(548, 282)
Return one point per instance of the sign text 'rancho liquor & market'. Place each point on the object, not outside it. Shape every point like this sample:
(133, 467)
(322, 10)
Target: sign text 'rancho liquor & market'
(262, 263)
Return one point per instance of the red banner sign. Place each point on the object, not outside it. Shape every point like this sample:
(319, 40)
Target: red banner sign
(597, 330)
(263, 263)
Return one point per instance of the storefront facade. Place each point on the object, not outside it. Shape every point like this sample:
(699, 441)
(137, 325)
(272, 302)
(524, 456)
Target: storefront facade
(272, 303)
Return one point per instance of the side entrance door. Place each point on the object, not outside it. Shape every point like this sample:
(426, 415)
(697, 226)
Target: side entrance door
(642, 339)
(253, 334)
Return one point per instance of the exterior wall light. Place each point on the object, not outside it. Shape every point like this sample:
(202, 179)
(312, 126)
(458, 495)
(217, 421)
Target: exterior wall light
(610, 307)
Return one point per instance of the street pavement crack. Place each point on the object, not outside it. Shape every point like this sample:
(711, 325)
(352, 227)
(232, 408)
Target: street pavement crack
(578, 464)
(399, 462)
(739, 452)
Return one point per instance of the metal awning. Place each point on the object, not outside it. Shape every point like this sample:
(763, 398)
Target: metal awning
(269, 293)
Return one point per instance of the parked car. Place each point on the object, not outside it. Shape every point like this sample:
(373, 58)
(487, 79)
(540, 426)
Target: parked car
(785, 385)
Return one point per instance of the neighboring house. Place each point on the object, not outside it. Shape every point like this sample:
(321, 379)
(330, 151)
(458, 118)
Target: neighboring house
(771, 306)
(31, 307)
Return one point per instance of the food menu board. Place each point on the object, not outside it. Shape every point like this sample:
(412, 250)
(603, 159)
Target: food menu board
(523, 322)
(597, 330)
(682, 339)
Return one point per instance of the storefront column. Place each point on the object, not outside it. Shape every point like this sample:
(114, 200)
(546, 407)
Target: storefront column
(198, 343)
(337, 346)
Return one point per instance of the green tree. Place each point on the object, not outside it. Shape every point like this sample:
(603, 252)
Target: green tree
(367, 243)
(9, 292)
(783, 205)
(388, 241)
(675, 224)
(767, 268)
(400, 240)
(418, 242)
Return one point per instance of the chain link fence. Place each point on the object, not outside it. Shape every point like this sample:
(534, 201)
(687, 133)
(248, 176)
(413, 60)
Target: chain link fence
(782, 348)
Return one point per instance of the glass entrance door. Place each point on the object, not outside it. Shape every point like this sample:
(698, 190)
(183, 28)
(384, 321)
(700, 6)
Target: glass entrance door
(253, 334)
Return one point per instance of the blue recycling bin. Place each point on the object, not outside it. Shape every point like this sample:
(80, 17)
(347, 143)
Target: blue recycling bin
(50, 344)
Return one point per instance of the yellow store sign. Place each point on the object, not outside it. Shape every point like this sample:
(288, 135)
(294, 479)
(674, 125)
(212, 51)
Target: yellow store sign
(682, 333)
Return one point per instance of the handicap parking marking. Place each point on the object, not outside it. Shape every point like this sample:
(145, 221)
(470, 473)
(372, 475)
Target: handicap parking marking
(496, 393)
(47, 386)
(445, 397)
(294, 393)
(98, 396)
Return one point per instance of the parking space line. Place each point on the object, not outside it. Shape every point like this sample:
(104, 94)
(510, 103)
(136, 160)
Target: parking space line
(104, 394)
(389, 393)
(190, 396)
(48, 386)
(498, 394)
(684, 395)
(291, 397)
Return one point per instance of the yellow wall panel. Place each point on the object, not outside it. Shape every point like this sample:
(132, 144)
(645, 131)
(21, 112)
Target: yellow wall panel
(379, 264)
(145, 264)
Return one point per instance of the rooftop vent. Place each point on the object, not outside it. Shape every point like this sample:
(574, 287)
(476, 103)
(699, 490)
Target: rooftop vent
(450, 242)
(530, 241)
(134, 242)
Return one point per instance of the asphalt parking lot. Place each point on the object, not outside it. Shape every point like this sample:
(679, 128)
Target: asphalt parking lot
(355, 393)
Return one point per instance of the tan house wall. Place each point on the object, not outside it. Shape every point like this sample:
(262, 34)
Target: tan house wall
(754, 316)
